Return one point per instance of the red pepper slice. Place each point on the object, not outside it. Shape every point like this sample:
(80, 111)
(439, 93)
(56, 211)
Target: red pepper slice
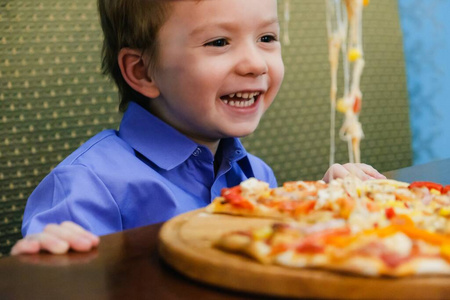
(357, 105)
(390, 212)
(234, 197)
(428, 184)
(446, 189)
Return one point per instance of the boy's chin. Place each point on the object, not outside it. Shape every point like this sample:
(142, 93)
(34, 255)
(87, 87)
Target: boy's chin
(242, 131)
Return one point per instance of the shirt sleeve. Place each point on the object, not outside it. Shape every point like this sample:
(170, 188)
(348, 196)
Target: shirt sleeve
(72, 193)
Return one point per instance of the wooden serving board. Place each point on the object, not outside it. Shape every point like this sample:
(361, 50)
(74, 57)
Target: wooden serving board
(186, 244)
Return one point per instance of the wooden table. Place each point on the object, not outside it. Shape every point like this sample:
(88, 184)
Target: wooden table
(127, 265)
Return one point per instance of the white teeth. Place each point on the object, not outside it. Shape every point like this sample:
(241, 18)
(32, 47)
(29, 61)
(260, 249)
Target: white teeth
(240, 103)
(243, 95)
(248, 99)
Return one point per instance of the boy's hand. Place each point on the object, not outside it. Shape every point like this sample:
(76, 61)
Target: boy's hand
(362, 171)
(57, 239)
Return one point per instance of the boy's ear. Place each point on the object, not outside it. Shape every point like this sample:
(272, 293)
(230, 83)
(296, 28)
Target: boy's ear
(135, 72)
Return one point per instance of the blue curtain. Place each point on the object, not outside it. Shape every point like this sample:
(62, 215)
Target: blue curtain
(426, 33)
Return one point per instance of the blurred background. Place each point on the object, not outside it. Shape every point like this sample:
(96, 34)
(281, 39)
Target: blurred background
(53, 97)
(426, 39)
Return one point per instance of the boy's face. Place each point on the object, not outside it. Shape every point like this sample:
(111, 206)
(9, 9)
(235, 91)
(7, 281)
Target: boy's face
(219, 67)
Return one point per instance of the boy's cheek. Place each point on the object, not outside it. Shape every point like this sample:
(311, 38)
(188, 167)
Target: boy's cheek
(279, 68)
(278, 76)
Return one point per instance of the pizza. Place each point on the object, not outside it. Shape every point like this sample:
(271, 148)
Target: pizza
(400, 249)
(254, 198)
(371, 228)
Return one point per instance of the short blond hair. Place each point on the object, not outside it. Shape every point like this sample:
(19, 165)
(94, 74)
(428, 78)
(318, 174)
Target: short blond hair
(134, 24)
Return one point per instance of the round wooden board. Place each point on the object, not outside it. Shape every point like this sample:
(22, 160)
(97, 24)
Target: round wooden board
(186, 244)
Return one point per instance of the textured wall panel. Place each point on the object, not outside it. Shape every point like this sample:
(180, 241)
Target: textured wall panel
(52, 96)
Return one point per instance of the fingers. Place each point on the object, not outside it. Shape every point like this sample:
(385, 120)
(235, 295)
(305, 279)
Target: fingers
(25, 246)
(371, 171)
(51, 243)
(80, 230)
(57, 239)
(78, 238)
(361, 171)
(357, 171)
(335, 171)
(75, 236)
(40, 241)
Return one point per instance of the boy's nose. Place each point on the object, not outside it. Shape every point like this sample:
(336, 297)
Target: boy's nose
(252, 62)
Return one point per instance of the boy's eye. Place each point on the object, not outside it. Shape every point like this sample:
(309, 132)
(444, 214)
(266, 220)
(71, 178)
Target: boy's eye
(217, 43)
(268, 39)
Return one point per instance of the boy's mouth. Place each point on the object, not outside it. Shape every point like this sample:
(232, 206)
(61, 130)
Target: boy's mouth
(240, 99)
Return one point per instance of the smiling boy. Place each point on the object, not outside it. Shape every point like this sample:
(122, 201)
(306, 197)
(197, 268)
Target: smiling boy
(193, 77)
(217, 71)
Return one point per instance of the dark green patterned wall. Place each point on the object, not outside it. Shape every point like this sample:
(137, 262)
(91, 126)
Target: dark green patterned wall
(294, 134)
(53, 98)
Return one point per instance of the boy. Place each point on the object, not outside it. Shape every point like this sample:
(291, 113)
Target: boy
(192, 76)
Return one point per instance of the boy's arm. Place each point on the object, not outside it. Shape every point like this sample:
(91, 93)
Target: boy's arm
(57, 239)
(72, 193)
(68, 195)
(362, 171)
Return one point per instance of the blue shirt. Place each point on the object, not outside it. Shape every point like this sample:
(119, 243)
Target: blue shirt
(147, 172)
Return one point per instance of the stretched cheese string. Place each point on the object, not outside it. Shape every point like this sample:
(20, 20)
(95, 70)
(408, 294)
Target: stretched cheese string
(344, 27)
(337, 32)
(286, 20)
(351, 130)
(344, 18)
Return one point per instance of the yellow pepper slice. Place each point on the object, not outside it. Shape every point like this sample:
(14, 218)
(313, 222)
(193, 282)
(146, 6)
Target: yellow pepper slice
(341, 106)
(354, 54)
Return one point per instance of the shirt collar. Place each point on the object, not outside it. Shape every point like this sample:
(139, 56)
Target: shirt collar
(162, 144)
(232, 149)
(156, 140)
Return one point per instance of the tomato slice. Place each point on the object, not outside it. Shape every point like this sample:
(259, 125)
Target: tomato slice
(278, 248)
(231, 193)
(316, 242)
(305, 207)
(234, 197)
(390, 212)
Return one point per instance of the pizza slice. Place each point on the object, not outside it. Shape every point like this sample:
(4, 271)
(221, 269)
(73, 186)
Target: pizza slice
(362, 204)
(400, 249)
(427, 203)
(310, 201)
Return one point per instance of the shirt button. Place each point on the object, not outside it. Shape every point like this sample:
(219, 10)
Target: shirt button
(238, 151)
(197, 152)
